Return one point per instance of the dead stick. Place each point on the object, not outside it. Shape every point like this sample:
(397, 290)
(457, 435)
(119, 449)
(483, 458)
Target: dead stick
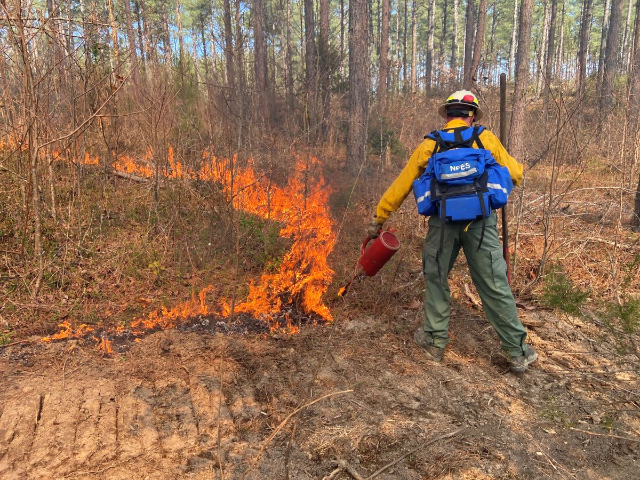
(333, 474)
(425, 444)
(284, 422)
(129, 176)
(15, 343)
(606, 435)
(503, 139)
(349, 469)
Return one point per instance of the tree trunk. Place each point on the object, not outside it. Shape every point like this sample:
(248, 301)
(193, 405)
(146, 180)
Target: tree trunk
(430, 45)
(560, 49)
(454, 42)
(394, 85)
(625, 57)
(166, 37)
(131, 38)
(239, 47)
(405, 12)
(310, 68)
(522, 80)
(492, 54)
(30, 109)
(69, 29)
(207, 75)
(583, 44)
(550, 51)
(228, 47)
(288, 76)
(342, 24)
(180, 41)
(260, 60)
(214, 55)
(325, 66)
(542, 53)
(383, 70)
(414, 47)
(634, 105)
(141, 38)
(611, 59)
(603, 45)
(358, 84)
(479, 42)
(194, 56)
(114, 37)
(514, 33)
(441, 45)
(468, 44)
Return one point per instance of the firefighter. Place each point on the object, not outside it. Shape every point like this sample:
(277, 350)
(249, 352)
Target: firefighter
(484, 254)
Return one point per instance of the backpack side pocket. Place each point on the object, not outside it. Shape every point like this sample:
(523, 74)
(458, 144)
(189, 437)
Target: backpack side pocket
(499, 184)
(422, 193)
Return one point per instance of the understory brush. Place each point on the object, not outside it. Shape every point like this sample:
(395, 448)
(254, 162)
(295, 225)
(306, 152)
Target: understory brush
(559, 292)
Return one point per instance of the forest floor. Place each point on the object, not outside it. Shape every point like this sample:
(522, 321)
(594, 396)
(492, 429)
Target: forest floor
(218, 399)
(193, 404)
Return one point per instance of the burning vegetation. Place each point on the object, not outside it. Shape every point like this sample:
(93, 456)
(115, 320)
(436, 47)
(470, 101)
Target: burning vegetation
(296, 282)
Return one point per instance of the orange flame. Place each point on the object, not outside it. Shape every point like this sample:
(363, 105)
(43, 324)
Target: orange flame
(169, 318)
(89, 160)
(300, 207)
(303, 275)
(128, 165)
(69, 332)
(105, 346)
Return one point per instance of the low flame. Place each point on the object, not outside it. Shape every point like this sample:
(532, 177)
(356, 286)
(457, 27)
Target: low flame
(69, 332)
(301, 209)
(105, 346)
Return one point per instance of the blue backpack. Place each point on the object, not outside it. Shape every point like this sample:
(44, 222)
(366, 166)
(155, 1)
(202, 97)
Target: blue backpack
(461, 183)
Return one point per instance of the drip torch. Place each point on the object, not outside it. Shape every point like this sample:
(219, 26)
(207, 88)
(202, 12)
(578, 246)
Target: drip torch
(373, 258)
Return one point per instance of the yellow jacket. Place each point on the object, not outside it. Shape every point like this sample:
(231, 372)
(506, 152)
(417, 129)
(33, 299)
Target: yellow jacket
(402, 185)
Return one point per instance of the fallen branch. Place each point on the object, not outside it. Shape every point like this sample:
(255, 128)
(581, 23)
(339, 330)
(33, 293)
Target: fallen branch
(333, 474)
(343, 466)
(15, 343)
(606, 435)
(419, 447)
(130, 176)
(472, 297)
(284, 422)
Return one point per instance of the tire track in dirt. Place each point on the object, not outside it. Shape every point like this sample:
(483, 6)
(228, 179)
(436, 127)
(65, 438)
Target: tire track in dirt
(112, 419)
(19, 423)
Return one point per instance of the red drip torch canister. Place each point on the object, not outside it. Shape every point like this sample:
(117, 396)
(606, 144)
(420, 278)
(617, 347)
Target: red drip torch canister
(379, 253)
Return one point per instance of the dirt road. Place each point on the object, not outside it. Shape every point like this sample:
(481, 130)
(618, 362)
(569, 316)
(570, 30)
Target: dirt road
(191, 405)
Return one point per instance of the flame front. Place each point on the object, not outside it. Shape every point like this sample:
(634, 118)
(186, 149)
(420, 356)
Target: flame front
(300, 208)
(304, 274)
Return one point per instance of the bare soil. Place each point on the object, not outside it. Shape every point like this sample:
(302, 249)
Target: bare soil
(179, 404)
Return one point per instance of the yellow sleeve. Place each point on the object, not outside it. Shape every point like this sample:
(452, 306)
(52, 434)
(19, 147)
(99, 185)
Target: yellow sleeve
(491, 143)
(402, 185)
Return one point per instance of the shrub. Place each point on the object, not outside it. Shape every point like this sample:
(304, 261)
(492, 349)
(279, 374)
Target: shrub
(381, 136)
(559, 292)
(628, 313)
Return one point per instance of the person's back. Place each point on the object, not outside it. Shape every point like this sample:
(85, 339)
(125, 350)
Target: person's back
(476, 235)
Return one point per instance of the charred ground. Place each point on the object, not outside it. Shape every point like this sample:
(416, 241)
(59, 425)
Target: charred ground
(193, 405)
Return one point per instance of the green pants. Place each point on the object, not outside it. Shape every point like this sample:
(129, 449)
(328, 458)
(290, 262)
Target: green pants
(488, 272)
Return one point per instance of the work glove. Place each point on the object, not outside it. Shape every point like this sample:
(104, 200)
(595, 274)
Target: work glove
(373, 230)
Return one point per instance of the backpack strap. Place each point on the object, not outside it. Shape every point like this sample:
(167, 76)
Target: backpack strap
(477, 130)
(443, 218)
(441, 144)
(444, 144)
(484, 217)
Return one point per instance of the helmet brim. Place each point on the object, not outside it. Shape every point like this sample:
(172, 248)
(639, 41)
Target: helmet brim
(442, 110)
